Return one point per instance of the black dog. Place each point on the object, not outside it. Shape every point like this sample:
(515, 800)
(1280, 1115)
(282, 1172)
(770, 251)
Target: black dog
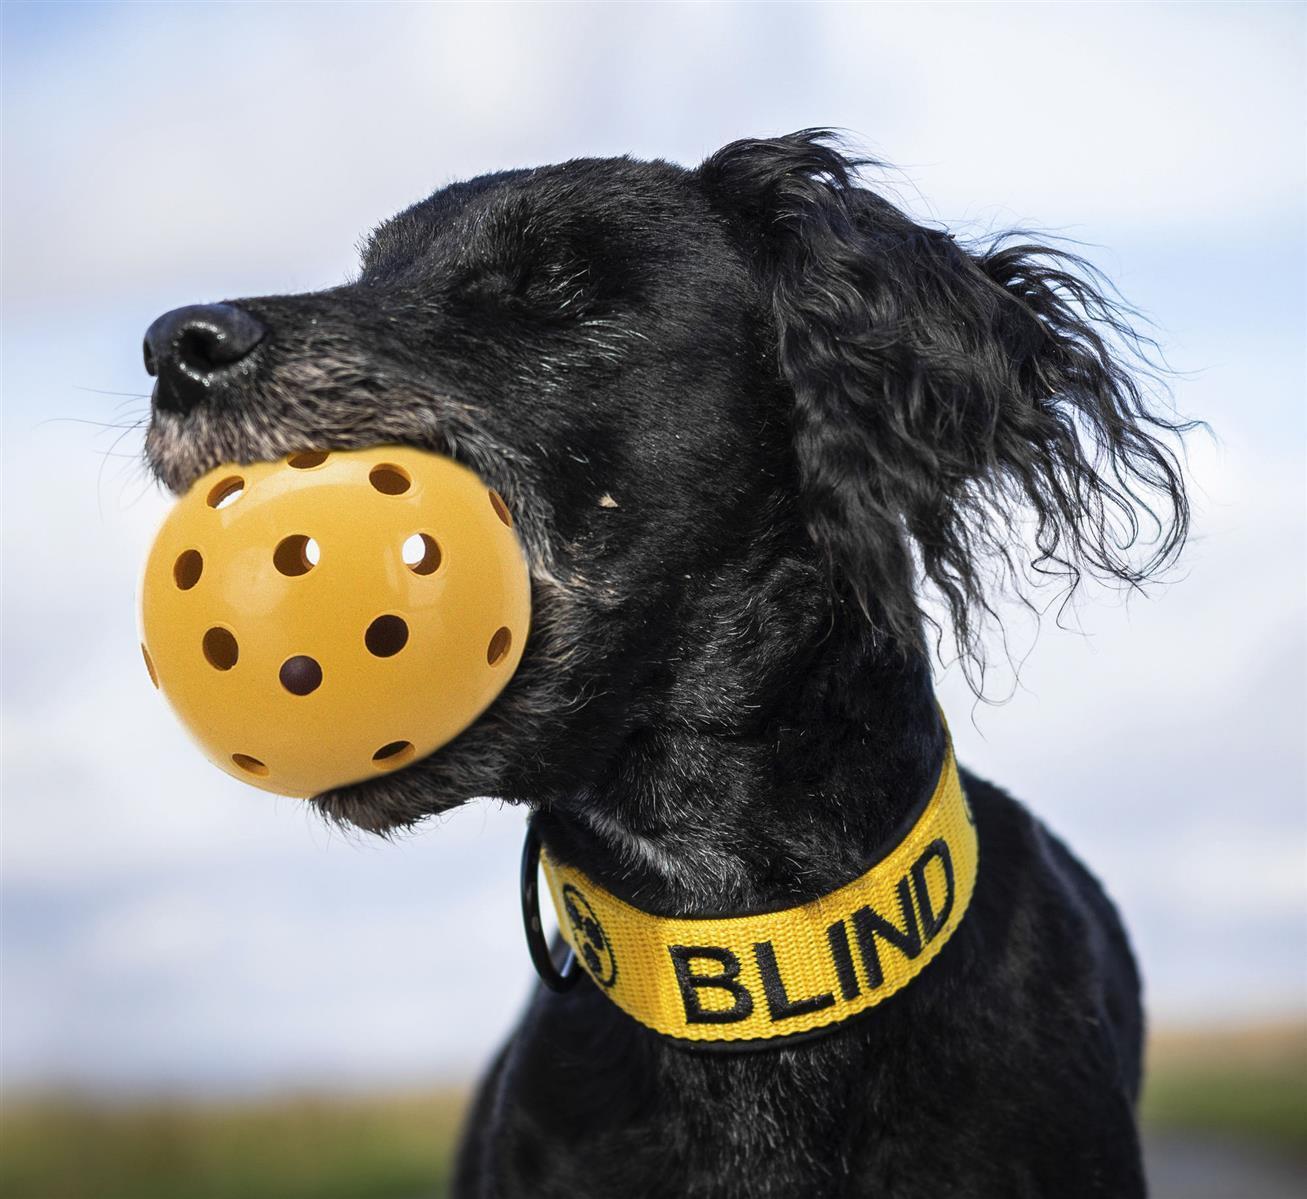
(742, 412)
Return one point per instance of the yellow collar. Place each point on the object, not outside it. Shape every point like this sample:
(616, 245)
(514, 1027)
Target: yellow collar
(743, 981)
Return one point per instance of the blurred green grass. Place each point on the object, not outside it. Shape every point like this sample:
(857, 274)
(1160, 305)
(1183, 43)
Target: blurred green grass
(358, 1147)
(1247, 1086)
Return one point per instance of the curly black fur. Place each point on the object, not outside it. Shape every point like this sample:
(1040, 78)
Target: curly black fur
(744, 414)
(944, 397)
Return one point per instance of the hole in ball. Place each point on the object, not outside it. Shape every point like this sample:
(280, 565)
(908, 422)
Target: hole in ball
(220, 648)
(393, 753)
(421, 554)
(149, 665)
(499, 646)
(386, 636)
(501, 508)
(307, 459)
(296, 555)
(187, 569)
(250, 765)
(300, 675)
(389, 479)
(226, 491)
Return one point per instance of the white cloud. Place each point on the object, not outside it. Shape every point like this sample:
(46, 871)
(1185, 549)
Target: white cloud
(190, 151)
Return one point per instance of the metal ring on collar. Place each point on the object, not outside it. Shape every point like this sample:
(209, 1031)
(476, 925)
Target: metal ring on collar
(553, 978)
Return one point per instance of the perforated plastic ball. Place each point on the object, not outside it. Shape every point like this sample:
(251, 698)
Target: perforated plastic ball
(333, 616)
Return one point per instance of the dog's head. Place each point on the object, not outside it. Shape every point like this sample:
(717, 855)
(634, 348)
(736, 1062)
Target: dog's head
(730, 407)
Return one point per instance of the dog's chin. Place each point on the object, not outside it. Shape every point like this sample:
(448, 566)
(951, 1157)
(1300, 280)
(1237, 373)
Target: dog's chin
(179, 449)
(390, 804)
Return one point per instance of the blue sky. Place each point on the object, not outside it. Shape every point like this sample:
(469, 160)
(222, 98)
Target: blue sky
(164, 926)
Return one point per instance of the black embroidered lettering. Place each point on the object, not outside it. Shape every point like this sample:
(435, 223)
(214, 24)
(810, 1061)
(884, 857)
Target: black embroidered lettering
(868, 925)
(779, 1004)
(931, 922)
(842, 955)
(691, 983)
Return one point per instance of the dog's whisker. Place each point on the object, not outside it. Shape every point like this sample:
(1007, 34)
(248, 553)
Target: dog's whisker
(110, 426)
(128, 396)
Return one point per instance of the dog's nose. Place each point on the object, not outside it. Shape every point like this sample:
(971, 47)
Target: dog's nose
(190, 350)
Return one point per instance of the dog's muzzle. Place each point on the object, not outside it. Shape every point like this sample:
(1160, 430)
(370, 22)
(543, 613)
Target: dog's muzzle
(327, 618)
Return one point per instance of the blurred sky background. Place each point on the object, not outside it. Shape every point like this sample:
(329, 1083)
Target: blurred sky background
(165, 927)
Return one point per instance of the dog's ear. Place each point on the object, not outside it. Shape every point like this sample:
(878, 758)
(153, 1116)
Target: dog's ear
(948, 405)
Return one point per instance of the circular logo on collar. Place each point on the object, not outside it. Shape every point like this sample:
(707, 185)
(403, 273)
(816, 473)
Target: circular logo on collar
(588, 938)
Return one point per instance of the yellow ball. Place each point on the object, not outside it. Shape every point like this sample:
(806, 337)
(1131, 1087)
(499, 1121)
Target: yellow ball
(330, 617)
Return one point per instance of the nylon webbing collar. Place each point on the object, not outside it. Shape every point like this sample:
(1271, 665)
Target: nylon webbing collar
(741, 982)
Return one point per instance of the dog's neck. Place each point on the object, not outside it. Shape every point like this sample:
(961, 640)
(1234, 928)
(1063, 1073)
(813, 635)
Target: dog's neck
(698, 820)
